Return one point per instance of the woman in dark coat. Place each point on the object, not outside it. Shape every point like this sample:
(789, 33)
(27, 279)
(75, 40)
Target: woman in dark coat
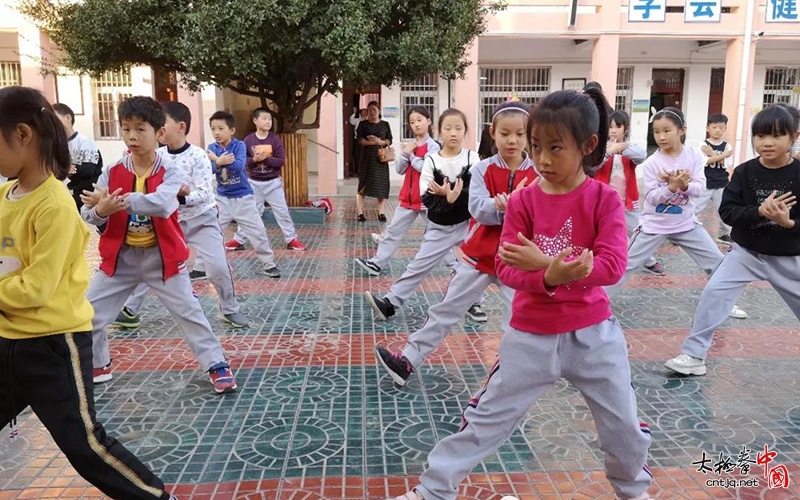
(373, 176)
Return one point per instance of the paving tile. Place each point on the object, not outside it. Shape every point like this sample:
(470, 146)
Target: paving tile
(316, 417)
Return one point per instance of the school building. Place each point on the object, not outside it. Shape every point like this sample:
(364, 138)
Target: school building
(703, 56)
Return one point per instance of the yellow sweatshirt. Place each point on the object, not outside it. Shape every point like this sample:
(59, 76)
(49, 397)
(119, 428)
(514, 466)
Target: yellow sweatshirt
(43, 271)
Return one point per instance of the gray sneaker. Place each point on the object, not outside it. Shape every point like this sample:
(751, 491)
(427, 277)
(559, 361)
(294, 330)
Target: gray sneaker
(272, 272)
(687, 365)
(236, 320)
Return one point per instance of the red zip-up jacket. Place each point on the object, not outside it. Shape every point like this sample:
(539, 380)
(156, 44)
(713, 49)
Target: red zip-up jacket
(490, 177)
(160, 202)
(409, 193)
(631, 184)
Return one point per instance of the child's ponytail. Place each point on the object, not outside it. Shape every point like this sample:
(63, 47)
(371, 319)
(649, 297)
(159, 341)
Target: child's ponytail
(62, 163)
(596, 157)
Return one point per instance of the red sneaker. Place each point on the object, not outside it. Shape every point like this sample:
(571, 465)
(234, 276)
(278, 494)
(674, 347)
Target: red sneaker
(296, 245)
(100, 375)
(233, 245)
(222, 379)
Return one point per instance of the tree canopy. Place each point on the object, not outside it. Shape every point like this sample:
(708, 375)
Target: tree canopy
(287, 52)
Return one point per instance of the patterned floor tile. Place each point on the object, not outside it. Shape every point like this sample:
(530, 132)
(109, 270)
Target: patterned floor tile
(317, 418)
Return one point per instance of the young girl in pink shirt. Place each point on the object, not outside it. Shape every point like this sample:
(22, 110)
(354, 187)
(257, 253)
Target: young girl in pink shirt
(563, 239)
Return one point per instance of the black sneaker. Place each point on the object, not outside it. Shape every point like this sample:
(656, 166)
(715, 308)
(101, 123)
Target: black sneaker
(396, 365)
(272, 272)
(382, 307)
(381, 218)
(236, 320)
(361, 218)
(127, 319)
(475, 313)
(725, 239)
(369, 267)
(656, 269)
(197, 275)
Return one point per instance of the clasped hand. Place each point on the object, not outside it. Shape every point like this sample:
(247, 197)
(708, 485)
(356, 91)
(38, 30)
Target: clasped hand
(527, 256)
(106, 203)
(777, 208)
(445, 190)
(676, 181)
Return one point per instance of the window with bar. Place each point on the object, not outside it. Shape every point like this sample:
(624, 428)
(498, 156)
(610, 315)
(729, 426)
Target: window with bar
(109, 90)
(782, 85)
(624, 98)
(424, 92)
(9, 74)
(498, 85)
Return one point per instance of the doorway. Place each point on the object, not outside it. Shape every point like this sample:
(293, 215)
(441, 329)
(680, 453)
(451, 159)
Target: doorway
(353, 101)
(165, 84)
(716, 91)
(666, 91)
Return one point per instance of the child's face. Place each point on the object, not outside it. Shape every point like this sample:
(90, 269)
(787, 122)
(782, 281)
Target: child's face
(616, 132)
(140, 137)
(221, 131)
(419, 124)
(11, 160)
(452, 131)
(263, 122)
(773, 148)
(667, 134)
(556, 154)
(716, 130)
(173, 131)
(508, 133)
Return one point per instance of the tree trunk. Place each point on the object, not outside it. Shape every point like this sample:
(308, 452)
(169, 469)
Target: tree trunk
(295, 171)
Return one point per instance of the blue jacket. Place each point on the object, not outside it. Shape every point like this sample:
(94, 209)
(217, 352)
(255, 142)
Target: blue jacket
(231, 179)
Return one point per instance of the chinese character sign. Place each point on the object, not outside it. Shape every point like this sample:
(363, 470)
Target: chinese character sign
(702, 11)
(647, 11)
(782, 11)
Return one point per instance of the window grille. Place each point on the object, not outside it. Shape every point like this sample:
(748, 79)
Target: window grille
(423, 91)
(498, 85)
(109, 90)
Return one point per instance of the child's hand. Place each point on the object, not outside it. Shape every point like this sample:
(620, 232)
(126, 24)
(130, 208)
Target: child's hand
(111, 203)
(664, 176)
(560, 272)
(225, 159)
(777, 208)
(438, 190)
(706, 149)
(259, 156)
(409, 148)
(501, 202)
(212, 156)
(72, 170)
(728, 153)
(184, 190)
(91, 198)
(615, 148)
(455, 192)
(684, 177)
(527, 256)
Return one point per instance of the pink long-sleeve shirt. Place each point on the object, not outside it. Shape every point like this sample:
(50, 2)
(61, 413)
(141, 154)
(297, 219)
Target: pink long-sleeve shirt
(591, 216)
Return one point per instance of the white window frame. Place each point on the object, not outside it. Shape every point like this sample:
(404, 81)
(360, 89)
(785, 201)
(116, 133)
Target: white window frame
(499, 84)
(424, 92)
(108, 91)
(782, 84)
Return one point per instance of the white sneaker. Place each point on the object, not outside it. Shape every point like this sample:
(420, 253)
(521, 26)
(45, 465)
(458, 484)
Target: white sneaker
(411, 495)
(377, 238)
(686, 365)
(738, 313)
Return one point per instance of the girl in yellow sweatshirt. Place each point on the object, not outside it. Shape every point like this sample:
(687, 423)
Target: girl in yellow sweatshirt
(45, 319)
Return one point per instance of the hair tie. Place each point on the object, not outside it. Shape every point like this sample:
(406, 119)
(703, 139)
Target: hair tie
(44, 109)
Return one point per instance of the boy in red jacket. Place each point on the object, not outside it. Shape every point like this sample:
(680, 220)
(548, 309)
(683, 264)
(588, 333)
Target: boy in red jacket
(137, 201)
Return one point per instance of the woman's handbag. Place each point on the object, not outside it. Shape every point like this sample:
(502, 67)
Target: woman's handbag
(386, 154)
